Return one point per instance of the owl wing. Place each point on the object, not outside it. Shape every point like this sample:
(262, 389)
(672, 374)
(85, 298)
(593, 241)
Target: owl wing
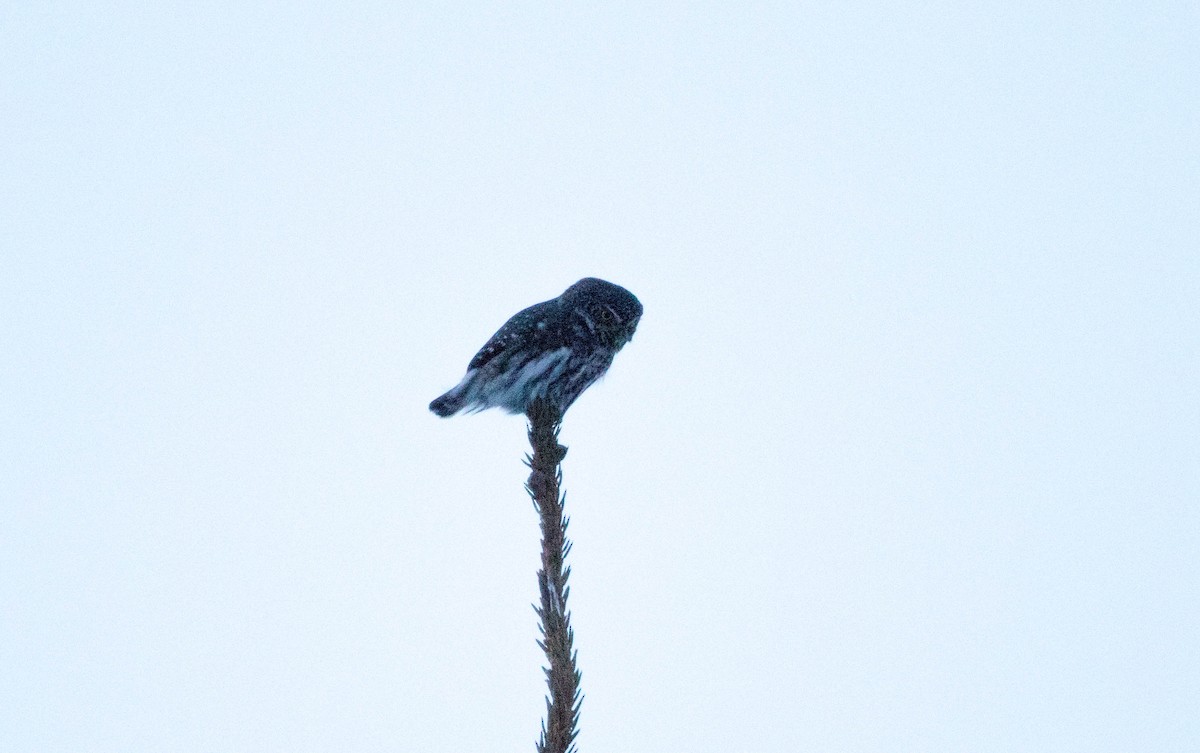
(528, 329)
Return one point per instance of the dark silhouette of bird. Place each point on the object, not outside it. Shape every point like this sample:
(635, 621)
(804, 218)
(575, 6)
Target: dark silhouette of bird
(553, 350)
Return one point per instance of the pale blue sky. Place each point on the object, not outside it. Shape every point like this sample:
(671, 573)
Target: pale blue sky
(904, 457)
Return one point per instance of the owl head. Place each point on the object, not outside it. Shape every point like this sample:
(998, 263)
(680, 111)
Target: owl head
(610, 311)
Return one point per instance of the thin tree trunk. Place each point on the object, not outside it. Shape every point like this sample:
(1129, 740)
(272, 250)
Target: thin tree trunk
(562, 704)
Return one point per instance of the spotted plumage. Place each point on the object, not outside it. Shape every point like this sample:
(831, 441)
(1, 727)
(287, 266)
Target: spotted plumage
(555, 350)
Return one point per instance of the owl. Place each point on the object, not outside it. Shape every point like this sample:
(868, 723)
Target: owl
(553, 350)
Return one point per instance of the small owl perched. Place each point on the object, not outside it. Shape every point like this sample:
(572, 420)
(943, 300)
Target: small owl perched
(554, 350)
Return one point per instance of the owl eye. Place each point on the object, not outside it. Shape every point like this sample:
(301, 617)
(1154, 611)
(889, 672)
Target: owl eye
(604, 314)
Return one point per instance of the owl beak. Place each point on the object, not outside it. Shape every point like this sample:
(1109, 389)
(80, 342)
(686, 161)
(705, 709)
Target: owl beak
(633, 330)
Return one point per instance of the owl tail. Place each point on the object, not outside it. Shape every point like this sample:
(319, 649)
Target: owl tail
(449, 404)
